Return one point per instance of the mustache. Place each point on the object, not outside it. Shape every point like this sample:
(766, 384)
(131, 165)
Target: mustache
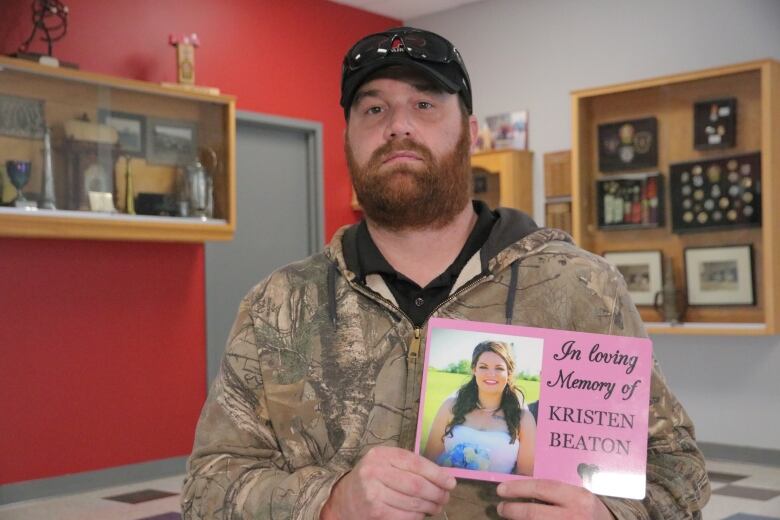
(402, 145)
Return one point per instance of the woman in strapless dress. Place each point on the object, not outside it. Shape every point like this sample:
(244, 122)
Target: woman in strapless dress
(486, 425)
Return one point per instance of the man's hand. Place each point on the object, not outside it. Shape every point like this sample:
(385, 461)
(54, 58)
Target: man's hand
(390, 483)
(562, 501)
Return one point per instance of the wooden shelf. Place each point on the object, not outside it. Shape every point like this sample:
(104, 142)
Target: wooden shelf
(670, 99)
(40, 223)
(707, 329)
(69, 94)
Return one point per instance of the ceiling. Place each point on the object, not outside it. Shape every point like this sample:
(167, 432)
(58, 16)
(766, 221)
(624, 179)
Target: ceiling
(405, 9)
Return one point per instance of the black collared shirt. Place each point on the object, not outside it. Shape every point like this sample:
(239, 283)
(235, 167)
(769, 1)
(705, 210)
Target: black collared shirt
(419, 302)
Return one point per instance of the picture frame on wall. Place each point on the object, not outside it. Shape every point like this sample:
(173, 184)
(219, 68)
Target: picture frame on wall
(131, 129)
(171, 142)
(642, 272)
(720, 275)
(509, 130)
(22, 117)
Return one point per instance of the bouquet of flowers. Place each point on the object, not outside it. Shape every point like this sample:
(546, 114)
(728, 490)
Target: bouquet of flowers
(466, 455)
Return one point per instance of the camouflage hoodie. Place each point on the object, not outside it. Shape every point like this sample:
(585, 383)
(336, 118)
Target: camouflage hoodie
(320, 367)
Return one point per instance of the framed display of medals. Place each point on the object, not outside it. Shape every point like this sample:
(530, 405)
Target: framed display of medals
(632, 200)
(716, 193)
(715, 124)
(628, 145)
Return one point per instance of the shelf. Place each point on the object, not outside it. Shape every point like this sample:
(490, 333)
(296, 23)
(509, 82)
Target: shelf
(707, 329)
(162, 128)
(15, 222)
(670, 100)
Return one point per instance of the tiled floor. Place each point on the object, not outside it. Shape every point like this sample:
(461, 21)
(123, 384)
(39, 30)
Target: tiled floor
(161, 502)
(743, 491)
(740, 492)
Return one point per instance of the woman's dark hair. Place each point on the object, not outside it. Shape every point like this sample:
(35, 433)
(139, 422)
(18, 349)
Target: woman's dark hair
(467, 398)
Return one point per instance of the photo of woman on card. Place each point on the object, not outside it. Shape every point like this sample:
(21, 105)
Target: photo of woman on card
(486, 425)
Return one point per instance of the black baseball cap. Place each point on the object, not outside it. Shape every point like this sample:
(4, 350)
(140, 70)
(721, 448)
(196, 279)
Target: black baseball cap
(420, 50)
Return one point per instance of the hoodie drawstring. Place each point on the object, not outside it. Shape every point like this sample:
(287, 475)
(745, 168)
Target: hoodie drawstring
(510, 295)
(332, 271)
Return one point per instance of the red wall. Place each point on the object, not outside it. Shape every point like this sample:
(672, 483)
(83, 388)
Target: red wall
(102, 344)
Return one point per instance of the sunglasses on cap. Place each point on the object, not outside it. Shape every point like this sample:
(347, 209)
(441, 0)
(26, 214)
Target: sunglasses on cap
(416, 43)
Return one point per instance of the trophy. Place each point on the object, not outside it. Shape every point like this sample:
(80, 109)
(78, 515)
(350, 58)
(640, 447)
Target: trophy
(47, 180)
(185, 56)
(197, 181)
(667, 300)
(129, 190)
(19, 174)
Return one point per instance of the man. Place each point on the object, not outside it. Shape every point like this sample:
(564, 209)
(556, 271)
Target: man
(315, 407)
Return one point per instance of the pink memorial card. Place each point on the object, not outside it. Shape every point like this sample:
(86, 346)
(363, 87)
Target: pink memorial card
(503, 402)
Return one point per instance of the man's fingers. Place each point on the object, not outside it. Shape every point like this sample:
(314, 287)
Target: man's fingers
(531, 511)
(550, 491)
(409, 504)
(412, 484)
(408, 461)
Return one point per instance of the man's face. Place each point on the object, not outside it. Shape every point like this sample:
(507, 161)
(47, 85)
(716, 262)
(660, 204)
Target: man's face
(408, 151)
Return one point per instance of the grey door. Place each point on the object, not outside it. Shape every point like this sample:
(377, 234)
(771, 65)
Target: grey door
(279, 216)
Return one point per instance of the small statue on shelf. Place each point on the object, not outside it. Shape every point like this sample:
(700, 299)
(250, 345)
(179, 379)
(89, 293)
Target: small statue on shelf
(129, 190)
(50, 17)
(185, 56)
(47, 178)
(667, 300)
(185, 63)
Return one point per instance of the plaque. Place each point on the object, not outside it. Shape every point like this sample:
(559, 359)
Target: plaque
(628, 145)
(715, 124)
(630, 201)
(21, 117)
(716, 193)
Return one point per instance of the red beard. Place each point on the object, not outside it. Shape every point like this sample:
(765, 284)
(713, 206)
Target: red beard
(428, 195)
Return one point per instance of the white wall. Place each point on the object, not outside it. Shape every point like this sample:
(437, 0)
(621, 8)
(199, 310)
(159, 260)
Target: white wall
(532, 53)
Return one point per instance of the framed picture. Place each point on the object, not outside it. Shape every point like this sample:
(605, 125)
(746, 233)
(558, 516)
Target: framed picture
(449, 368)
(509, 130)
(131, 129)
(21, 117)
(628, 145)
(171, 142)
(720, 275)
(715, 124)
(642, 272)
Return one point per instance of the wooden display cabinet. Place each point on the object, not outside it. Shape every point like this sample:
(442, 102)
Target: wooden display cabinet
(164, 129)
(671, 99)
(514, 172)
(557, 190)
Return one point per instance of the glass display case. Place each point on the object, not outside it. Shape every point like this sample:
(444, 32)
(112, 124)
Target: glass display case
(504, 178)
(675, 181)
(85, 155)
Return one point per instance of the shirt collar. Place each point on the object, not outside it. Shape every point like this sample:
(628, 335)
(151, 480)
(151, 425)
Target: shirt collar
(369, 260)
